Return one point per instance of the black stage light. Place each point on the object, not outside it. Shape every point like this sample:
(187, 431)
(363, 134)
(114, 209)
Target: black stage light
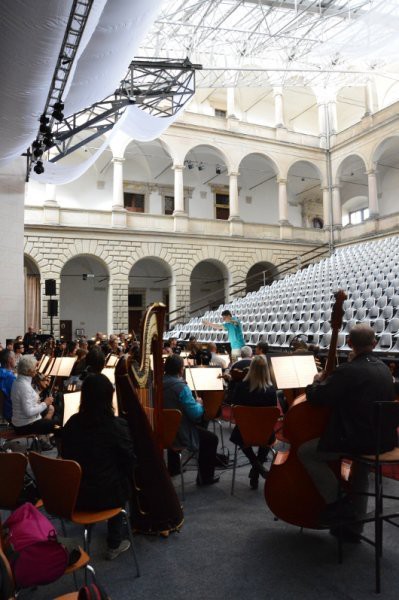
(44, 129)
(218, 169)
(38, 152)
(48, 141)
(201, 166)
(57, 112)
(190, 164)
(38, 168)
(44, 119)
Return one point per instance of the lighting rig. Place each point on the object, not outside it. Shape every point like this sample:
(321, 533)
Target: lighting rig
(159, 87)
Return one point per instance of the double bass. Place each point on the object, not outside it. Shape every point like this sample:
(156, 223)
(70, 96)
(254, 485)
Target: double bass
(155, 507)
(289, 491)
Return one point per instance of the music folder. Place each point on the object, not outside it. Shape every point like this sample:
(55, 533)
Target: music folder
(62, 366)
(204, 378)
(289, 371)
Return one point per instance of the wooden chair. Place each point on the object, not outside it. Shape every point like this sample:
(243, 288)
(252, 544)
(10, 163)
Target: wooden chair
(171, 419)
(256, 425)
(386, 413)
(58, 481)
(12, 473)
(212, 400)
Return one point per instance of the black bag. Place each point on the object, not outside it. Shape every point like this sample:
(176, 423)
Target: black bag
(30, 491)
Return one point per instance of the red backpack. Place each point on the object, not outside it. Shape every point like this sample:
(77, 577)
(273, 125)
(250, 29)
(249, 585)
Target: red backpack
(32, 548)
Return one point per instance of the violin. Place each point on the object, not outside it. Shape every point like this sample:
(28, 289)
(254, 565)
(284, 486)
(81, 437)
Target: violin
(289, 491)
(41, 381)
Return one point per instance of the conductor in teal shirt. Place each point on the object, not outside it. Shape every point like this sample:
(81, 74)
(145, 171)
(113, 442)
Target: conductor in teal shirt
(234, 332)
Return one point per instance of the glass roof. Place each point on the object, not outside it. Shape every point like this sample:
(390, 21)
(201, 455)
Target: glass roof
(255, 43)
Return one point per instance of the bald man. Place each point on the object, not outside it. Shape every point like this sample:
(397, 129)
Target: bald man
(350, 391)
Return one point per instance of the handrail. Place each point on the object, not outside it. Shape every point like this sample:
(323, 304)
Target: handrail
(183, 314)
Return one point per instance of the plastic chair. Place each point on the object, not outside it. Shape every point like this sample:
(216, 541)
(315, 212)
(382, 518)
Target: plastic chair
(58, 481)
(256, 425)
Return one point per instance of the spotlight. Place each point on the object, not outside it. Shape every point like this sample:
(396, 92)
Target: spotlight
(190, 164)
(302, 179)
(44, 119)
(57, 112)
(38, 168)
(45, 129)
(48, 141)
(37, 149)
(84, 276)
(218, 169)
(201, 166)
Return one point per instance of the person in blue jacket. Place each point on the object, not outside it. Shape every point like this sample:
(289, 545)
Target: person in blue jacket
(191, 434)
(7, 378)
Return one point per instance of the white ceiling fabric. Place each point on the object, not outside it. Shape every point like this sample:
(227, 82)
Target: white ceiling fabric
(31, 38)
(137, 124)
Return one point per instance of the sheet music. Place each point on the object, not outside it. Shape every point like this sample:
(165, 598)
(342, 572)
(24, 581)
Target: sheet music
(112, 360)
(43, 363)
(55, 367)
(66, 366)
(293, 371)
(205, 378)
(109, 372)
(72, 403)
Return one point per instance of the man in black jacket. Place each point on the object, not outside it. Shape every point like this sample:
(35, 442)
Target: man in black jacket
(351, 391)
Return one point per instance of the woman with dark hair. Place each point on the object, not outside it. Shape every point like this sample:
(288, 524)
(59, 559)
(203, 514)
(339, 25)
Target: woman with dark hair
(254, 390)
(101, 443)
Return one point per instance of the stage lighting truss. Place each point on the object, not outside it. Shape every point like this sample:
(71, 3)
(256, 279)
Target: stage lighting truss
(160, 87)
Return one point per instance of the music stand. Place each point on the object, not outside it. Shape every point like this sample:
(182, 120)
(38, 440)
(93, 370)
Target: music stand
(204, 378)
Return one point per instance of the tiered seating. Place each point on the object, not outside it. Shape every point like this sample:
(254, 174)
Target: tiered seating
(301, 303)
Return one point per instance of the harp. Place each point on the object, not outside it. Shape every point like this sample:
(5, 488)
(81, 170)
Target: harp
(155, 507)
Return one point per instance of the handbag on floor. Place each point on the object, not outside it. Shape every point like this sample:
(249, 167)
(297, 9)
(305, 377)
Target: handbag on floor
(92, 592)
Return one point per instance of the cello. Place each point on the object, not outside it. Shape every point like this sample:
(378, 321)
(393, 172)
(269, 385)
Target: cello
(155, 507)
(289, 491)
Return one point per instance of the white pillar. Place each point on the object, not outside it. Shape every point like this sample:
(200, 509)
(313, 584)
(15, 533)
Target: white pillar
(231, 104)
(282, 201)
(322, 124)
(326, 207)
(337, 209)
(368, 99)
(332, 113)
(278, 107)
(373, 193)
(233, 195)
(178, 190)
(117, 196)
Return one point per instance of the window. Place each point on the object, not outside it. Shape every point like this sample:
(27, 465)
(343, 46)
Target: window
(356, 216)
(220, 113)
(133, 202)
(222, 206)
(169, 205)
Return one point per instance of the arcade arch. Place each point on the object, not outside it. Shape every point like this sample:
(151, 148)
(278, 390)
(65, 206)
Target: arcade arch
(32, 294)
(301, 112)
(305, 196)
(84, 297)
(209, 285)
(150, 280)
(260, 274)
(350, 106)
(386, 161)
(258, 189)
(351, 191)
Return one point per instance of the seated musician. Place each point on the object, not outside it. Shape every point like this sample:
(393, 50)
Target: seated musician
(261, 348)
(7, 378)
(237, 372)
(215, 361)
(350, 391)
(191, 435)
(29, 413)
(254, 390)
(101, 443)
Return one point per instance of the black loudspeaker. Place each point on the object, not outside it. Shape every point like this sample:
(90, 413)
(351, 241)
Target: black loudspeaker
(52, 308)
(50, 287)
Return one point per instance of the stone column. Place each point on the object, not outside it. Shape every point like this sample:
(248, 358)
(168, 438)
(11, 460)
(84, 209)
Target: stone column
(282, 201)
(233, 195)
(332, 114)
(231, 105)
(119, 217)
(117, 192)
(178, 190)
(321, 107)
(373, 194)
(278, 107)
(326, 207)
(368, 99)
(51, 210)
(337, 209)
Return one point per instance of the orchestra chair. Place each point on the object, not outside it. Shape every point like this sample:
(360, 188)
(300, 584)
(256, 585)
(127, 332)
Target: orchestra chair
(8, 434)
(58, 481)
(9, 583)
(12, 473)
(385, 413)
(256, 425)
(171, 419)
(212, 401)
